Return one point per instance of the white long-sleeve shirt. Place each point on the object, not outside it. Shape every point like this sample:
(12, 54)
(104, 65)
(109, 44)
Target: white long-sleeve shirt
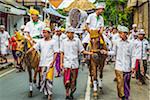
(71, 48)
(123, 52)
(140, 48)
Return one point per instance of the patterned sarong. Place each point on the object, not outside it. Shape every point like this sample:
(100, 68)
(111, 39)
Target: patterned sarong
(47, 80)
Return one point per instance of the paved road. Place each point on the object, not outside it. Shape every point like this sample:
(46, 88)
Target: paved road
(109, 87)
(14, 86)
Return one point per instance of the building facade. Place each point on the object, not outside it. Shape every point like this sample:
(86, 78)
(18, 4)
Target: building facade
(37, 4)
(141, 14)
(11, 15)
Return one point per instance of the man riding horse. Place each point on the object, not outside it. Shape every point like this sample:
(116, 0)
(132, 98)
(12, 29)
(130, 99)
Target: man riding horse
(95, 26)
(33, 31)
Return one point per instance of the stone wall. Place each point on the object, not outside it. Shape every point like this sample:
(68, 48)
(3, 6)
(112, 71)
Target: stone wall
(141, 17)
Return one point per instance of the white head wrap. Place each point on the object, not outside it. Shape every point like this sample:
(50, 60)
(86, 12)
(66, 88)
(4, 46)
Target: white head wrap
(100, 5)
(47, 29)
(134, 25)
(122, 29)
(70, 29)
(141, 31)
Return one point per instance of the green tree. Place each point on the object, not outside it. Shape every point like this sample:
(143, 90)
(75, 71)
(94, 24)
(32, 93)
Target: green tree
(117, 12)
(62, 12)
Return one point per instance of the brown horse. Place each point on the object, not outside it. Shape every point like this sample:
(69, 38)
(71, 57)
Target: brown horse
(31, 60)
(97, 60)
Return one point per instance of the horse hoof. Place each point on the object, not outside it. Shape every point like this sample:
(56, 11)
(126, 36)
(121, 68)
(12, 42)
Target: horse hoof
(95, 94)
(30, 94)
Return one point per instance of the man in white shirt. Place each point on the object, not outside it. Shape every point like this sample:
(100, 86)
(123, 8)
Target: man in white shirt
(70, 49)
(123, 52)
(95, 21)
(133, 35)
(48, 52)
(35, 26)
(58, 37)
(4, 40)
(95, 26)
(140, 48)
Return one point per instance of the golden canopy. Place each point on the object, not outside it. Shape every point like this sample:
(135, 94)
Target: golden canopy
(81, 4)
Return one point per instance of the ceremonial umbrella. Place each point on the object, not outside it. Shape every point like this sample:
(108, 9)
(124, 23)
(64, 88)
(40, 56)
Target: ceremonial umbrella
(80, 4)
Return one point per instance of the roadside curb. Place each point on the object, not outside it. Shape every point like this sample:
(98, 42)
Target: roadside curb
(2, 75)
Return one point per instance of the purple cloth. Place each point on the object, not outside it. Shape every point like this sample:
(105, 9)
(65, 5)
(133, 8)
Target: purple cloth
(57, 64)
(127, 77)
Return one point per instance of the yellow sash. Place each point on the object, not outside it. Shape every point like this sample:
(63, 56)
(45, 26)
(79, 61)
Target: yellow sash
(50, 74)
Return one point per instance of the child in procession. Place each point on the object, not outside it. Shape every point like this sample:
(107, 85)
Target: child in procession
(70, 49)
(48, 52)
(141, 47)
(123, 52)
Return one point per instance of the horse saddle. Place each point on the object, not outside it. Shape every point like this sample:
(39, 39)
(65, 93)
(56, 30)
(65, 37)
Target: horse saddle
(96, 34)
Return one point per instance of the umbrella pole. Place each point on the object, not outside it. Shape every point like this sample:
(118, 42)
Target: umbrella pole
(45, 8)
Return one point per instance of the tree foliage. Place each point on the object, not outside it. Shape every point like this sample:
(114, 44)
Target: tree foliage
(62, 12)
(117, 12)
